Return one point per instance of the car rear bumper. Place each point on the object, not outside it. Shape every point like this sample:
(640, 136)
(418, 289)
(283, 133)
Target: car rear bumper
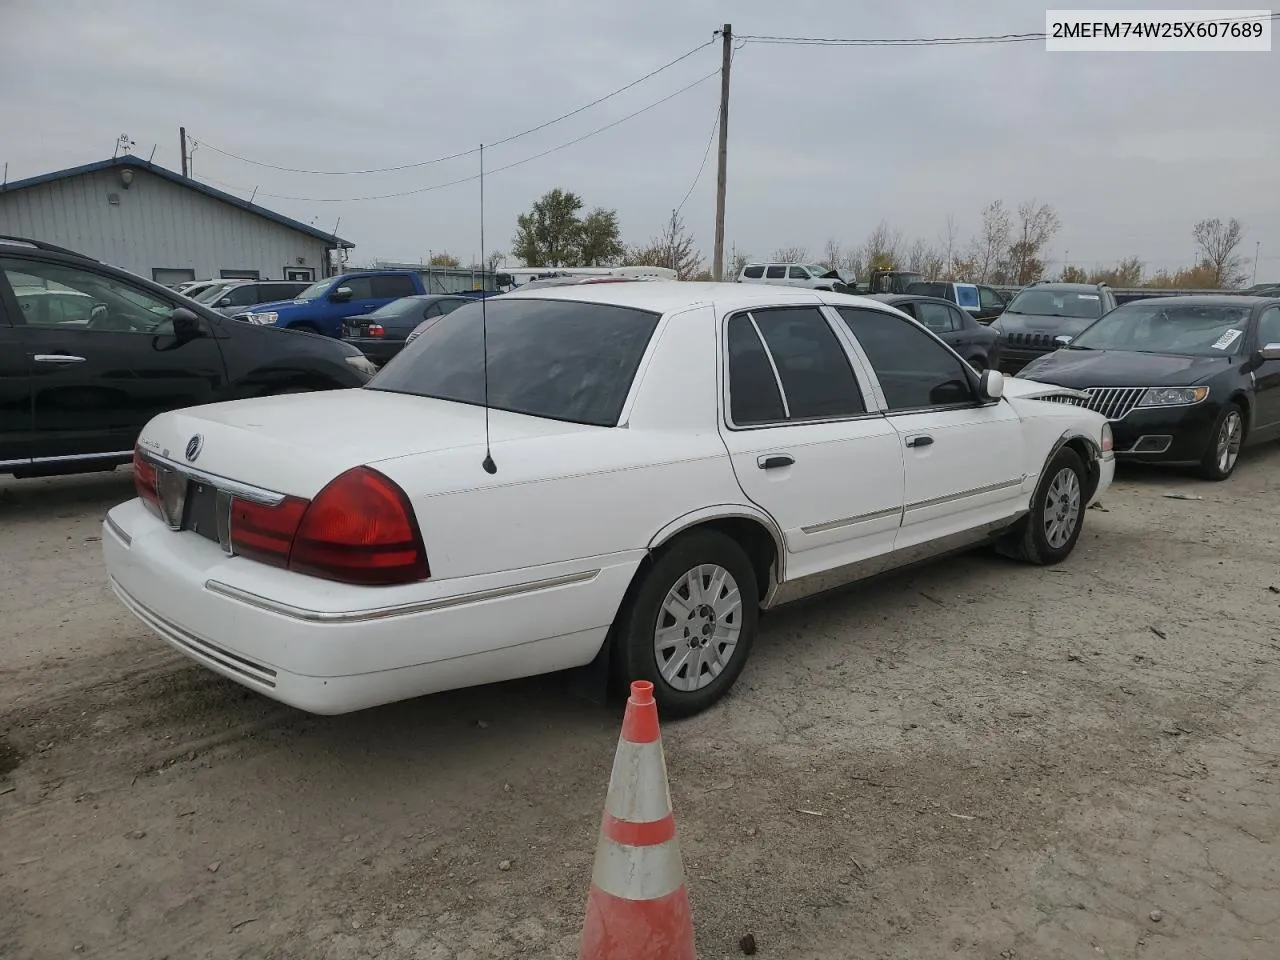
(331, 648)
(376, 349)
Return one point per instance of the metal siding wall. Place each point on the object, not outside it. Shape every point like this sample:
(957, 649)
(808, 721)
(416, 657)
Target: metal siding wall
(156, 224)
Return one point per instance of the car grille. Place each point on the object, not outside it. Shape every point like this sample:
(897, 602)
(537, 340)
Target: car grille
(1030, 340)
(1114, 403)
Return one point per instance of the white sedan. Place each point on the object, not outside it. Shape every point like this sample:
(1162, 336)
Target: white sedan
(621, 475)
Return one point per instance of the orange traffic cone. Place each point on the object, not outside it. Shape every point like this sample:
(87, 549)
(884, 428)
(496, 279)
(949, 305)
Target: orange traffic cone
(638, 907)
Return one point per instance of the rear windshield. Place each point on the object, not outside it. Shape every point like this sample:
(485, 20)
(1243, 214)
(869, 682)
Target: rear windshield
(930, 290)
(563, 360)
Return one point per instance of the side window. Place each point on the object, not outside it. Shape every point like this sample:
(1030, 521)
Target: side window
(753, 273)
(1269, 326)
(988, 299)
(907, 307)
(361, 287)
(957, 319)
(448, 306)
(395, 286)
(776, 272)
(798, 273)
(817, 381)
(753, 389)
(245, 295)
(935, 316)
(433, 310)
(914, 370)
(100, 302)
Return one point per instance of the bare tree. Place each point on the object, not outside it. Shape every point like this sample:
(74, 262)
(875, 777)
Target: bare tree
(495, 259)
(791, 255)
(925, 259)
(833, 255)
(882, 249)
(948, 239)
(988, 248)
(674, 248)
(1218, 242)
(1037, 225)
(737, 262)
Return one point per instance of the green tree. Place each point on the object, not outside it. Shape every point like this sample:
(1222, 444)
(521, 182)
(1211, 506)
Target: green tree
(443, 259)
(601, 241)
(550, 234)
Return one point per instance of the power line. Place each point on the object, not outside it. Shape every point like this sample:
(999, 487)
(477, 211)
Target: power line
(702, 166)
(464, 153)
(509, 166)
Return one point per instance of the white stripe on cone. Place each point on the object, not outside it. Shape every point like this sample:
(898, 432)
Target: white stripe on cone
(638, 873)
(638, 791)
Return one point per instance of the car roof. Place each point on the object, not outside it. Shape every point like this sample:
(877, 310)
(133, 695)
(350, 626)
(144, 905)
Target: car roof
(1066, 287)
(895, 298)
(671, 296)
(1210, 300)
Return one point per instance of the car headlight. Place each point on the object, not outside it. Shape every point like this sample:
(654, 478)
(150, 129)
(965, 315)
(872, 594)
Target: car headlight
(1173, 396)
(262, 319)
(363, 364)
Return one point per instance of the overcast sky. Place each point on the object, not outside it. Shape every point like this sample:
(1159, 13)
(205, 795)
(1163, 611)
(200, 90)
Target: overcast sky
(1131, 149)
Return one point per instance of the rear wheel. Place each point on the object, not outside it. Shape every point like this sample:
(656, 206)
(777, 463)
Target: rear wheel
(689, 626)
(1223, 453)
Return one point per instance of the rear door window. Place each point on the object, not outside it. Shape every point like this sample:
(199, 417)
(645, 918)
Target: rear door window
(562, 360)
(935, 316)
(753, 273)
(776, 273)
(398, 285)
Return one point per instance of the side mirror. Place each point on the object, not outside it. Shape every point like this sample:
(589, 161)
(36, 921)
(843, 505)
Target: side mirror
(224, 302)
(991, 385)
(98, 312)
(1270, 351)
(186, 325)
(341, 295)
(1062, 341)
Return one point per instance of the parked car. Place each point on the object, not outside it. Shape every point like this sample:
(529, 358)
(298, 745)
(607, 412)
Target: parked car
(323, 306)
(382, 334)
(655, 464)
(981, 302)
(1040, 313)
(1183, 380)
(978, 344)
(88, 361)
(234, 298)
(811, 275)
(193, 288)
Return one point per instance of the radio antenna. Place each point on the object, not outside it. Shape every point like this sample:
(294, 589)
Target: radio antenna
(489, 466)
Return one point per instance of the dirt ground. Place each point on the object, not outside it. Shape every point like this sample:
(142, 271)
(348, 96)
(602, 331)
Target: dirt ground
(976, 760)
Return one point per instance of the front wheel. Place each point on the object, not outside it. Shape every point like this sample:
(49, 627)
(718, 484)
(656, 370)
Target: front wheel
(1223, 453)
(1051, 529)
(689, 626)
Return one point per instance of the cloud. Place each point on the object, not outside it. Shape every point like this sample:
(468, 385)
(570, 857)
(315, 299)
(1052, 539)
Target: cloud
(824, 142)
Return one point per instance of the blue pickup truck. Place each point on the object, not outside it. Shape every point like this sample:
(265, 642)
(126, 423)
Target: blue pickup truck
(323, 306)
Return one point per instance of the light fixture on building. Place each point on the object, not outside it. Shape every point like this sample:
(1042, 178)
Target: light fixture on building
(126, 177)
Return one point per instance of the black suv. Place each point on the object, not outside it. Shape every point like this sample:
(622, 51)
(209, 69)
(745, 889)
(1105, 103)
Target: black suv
(1040, 313)
(90, 353)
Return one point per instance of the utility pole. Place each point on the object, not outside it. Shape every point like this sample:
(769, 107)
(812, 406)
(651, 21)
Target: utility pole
(717, 266)
(182, 146)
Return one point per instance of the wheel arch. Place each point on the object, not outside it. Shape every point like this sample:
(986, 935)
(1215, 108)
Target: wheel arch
(1241, 396)
(751, 529)
(1090, 454)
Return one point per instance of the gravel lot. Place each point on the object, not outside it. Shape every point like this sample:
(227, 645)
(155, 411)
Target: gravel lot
(976, 760)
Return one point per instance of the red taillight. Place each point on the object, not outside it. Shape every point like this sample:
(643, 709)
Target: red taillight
(377, 330)
(144, 482)
(360, 529)
(265, 533)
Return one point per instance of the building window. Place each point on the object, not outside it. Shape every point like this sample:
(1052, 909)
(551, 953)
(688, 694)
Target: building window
(239, 275)
(299, 273)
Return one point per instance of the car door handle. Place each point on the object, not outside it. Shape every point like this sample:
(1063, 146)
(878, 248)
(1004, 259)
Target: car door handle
(774, 461)
(56, 358)
(920, 441)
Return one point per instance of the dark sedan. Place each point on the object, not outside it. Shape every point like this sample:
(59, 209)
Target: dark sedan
(974, 341)
(1183, 380)
(382, 334)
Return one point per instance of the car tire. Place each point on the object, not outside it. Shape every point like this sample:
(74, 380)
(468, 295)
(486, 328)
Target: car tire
(713, 637)
(1043, 539)
(1223, 453)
